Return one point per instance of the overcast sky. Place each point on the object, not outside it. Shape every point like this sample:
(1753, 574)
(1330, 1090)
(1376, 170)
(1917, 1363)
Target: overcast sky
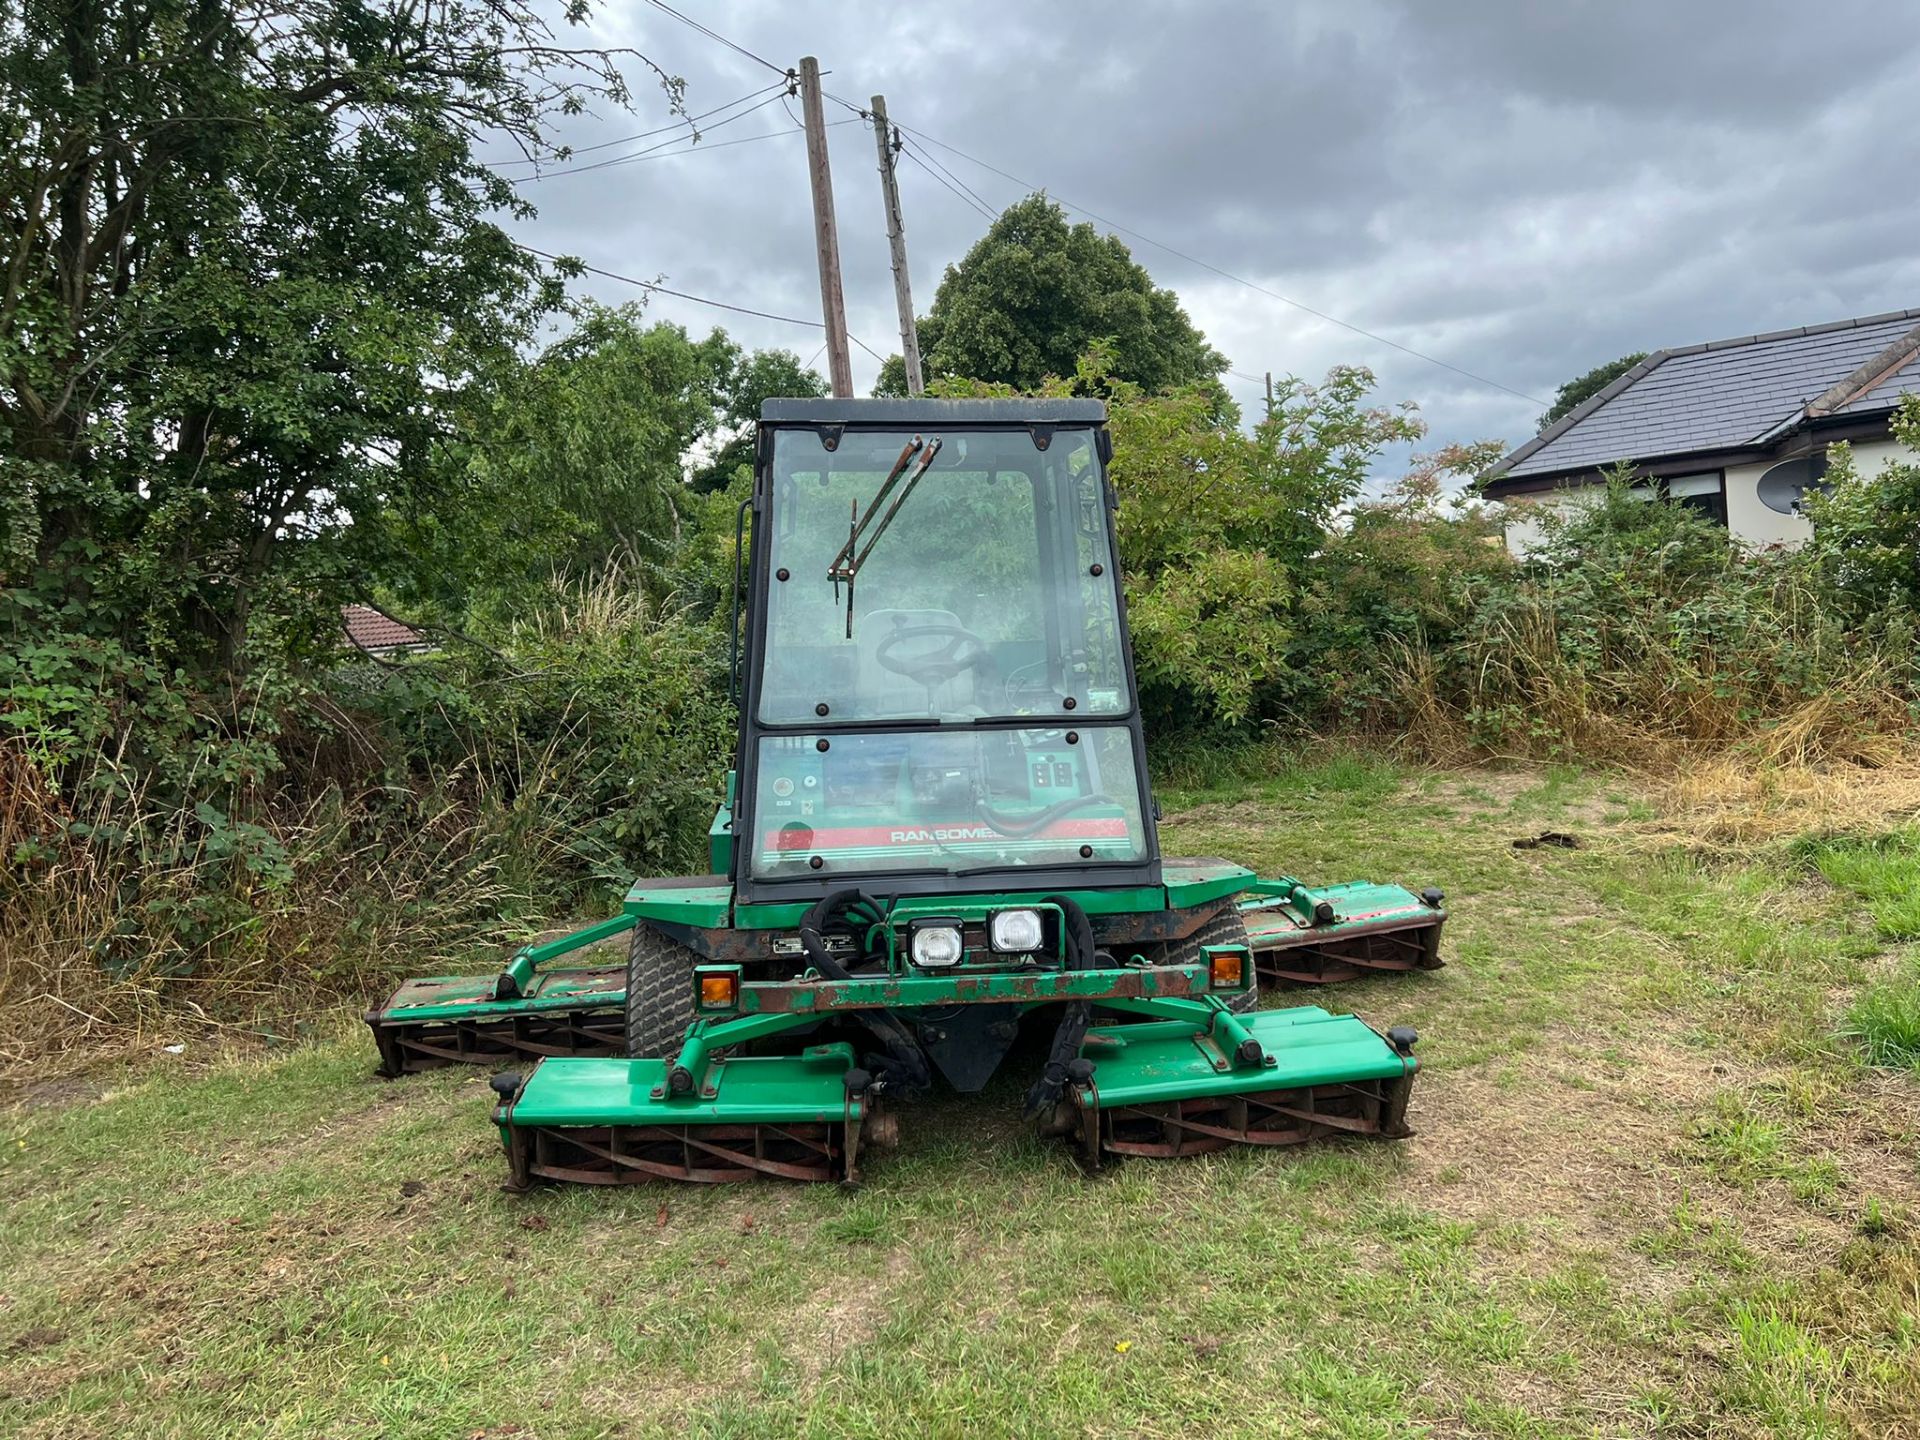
(1519, 190)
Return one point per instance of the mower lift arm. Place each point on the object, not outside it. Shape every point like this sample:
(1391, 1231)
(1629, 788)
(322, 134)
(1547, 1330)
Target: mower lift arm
(518, 974)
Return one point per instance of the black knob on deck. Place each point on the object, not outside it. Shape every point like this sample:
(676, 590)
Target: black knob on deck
(506, 1085)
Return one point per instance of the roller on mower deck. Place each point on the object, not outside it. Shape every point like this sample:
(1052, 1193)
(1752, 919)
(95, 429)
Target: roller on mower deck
(937, 837)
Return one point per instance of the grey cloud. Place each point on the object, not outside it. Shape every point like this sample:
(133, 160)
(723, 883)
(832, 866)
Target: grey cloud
(1522, 190)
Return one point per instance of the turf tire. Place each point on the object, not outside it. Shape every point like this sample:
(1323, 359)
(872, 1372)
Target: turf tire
(659, 994)
(1229, 927)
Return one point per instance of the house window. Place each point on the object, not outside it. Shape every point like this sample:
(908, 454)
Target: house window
(1706, 494)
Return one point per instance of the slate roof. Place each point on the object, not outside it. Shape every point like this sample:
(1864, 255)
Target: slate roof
(1730, 394)
(1888, 392)
(376, 634)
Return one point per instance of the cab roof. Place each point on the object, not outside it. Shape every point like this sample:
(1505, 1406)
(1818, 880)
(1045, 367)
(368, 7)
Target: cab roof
(920, 411)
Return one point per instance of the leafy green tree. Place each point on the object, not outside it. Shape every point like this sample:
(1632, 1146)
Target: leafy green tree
(1218, 527)
(250, 257)
(1036, 293)
(568, 463)
(1577, 391)
(756, 377)
(1866, 529)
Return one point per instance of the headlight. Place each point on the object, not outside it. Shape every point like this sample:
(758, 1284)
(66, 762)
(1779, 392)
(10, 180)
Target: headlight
(1015, 930)
(935, 947)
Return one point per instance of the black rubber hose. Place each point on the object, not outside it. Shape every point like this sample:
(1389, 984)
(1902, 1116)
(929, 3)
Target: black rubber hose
(1072, 1030)
(1030, 824)
(904, 1064)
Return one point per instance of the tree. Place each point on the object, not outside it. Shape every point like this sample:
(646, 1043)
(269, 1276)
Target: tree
(1575, 392)
(756, 378)
(1035, 294)
(249, 259)
(567, 464)
(1218, 527)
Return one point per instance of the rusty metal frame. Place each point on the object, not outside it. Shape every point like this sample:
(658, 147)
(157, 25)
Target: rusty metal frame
(1374, 1109)
(1394, 947)
(409, 1047)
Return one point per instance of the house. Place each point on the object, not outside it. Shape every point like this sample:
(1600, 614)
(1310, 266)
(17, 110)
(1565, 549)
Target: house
(1736, 429)
(380, 635)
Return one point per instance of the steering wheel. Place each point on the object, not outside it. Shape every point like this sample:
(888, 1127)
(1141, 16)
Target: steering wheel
(936, 665)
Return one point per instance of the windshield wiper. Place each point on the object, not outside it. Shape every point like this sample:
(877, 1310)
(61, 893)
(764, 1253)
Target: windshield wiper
(846, 565)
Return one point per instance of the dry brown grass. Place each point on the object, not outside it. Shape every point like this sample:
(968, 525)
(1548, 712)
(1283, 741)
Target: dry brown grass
(1735, 799)
(110, 949)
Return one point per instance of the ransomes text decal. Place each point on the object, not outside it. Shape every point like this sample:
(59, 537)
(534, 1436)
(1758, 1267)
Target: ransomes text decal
(795, 838)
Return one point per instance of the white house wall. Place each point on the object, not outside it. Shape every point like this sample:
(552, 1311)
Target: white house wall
(1525, 532)
(1756, 525)
(1747, 519)
(1752, 523)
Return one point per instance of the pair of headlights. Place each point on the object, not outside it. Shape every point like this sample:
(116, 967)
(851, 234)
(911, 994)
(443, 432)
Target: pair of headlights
(936, 944)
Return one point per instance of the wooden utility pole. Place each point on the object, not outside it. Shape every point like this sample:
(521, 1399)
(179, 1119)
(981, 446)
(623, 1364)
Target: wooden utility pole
(827, 237)
(897, 244)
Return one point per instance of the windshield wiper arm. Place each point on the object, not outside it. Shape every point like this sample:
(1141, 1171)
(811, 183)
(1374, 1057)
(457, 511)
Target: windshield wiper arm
(846, 564)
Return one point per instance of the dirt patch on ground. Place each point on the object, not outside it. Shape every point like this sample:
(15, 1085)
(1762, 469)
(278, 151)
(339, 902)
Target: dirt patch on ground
(1588, 1155)
(843, 1316)
(56, 1093)
(1526, 796)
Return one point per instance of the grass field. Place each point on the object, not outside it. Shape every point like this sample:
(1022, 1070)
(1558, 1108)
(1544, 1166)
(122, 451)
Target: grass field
(1656, 1190)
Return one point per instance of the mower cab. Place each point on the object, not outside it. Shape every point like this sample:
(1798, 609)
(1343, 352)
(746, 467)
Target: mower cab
(938, 833)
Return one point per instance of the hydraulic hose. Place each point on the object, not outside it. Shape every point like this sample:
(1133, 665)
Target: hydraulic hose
(903, 1065)
(1081, 955)
(1031, 824)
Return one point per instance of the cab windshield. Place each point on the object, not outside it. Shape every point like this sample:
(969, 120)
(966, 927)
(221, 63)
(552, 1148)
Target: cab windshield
(954, 577)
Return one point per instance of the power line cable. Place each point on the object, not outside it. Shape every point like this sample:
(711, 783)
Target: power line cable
(985, 214)
(674, 154)
(687, 121)
(655, 287)
(691, 143)
(991, 210)
(717, 37)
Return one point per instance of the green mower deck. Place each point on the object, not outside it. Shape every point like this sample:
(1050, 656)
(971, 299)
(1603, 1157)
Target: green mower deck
(611, 1122)
(1190, 1077)
(523, 1013)
(1341, 932)
(1161, 1090)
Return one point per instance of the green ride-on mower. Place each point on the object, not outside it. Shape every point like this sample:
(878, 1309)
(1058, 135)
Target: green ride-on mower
(937, 836)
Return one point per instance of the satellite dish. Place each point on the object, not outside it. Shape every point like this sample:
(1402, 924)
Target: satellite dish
(1784, 486)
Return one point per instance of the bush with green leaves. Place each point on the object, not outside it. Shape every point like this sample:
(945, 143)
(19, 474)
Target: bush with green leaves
(1634, 620)
(1867, 530)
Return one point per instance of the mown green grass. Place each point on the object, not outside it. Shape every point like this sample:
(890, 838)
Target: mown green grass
(1884, 872)
(1656, 1192)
